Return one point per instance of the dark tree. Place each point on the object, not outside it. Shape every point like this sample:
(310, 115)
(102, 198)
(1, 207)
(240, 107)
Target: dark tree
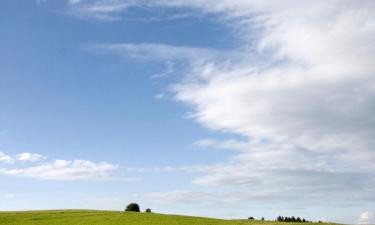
(262, 219)
(148, 211)
(132, 207)
(251, 218)
(291, 219)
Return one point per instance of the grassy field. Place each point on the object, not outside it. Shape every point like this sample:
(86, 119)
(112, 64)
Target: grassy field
(91, 217)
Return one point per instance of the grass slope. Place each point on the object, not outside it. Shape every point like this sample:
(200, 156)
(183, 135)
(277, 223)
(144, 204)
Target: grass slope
(91, 217)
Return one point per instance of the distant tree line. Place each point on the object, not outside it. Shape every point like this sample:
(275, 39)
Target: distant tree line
(286, 219)
(291, 219)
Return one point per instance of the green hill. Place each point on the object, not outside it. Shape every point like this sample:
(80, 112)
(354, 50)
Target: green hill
(91, 217)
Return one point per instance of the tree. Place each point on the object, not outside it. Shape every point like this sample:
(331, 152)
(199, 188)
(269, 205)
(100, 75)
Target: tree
(132, 207)
(148, 211)
(251, 218)
(262, 219)
(291, 219)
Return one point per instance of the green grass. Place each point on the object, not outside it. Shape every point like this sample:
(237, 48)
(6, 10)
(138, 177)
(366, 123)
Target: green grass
(92, 217)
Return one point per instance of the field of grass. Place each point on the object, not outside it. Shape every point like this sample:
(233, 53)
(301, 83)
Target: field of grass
(91, 217)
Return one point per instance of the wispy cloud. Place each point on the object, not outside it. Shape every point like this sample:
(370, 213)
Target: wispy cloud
(159, 96)
(168, 70)
(64, 170)
(114, 10)
(231, 144)
(101, 10)
(168, 53)
(40, 168)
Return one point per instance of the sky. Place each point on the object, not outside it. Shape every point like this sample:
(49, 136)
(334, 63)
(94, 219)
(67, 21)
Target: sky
(213, 108)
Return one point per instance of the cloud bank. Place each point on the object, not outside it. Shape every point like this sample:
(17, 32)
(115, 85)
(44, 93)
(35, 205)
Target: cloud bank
(302, 97)
(309, 116)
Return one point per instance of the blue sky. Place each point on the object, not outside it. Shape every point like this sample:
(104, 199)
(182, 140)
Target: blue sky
(206, 108)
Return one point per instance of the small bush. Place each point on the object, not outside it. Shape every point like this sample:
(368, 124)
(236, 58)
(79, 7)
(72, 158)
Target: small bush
(251, 218)
(132, 207)
(148, 211)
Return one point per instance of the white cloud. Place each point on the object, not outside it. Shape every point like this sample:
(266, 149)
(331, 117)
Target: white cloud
(26, 156)
(5, 158)
(113, 10)
(309, 115)
(366, 218)
(226, 144)
(302, 95)
(57, 169)
(64, 170)
(101, 10)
